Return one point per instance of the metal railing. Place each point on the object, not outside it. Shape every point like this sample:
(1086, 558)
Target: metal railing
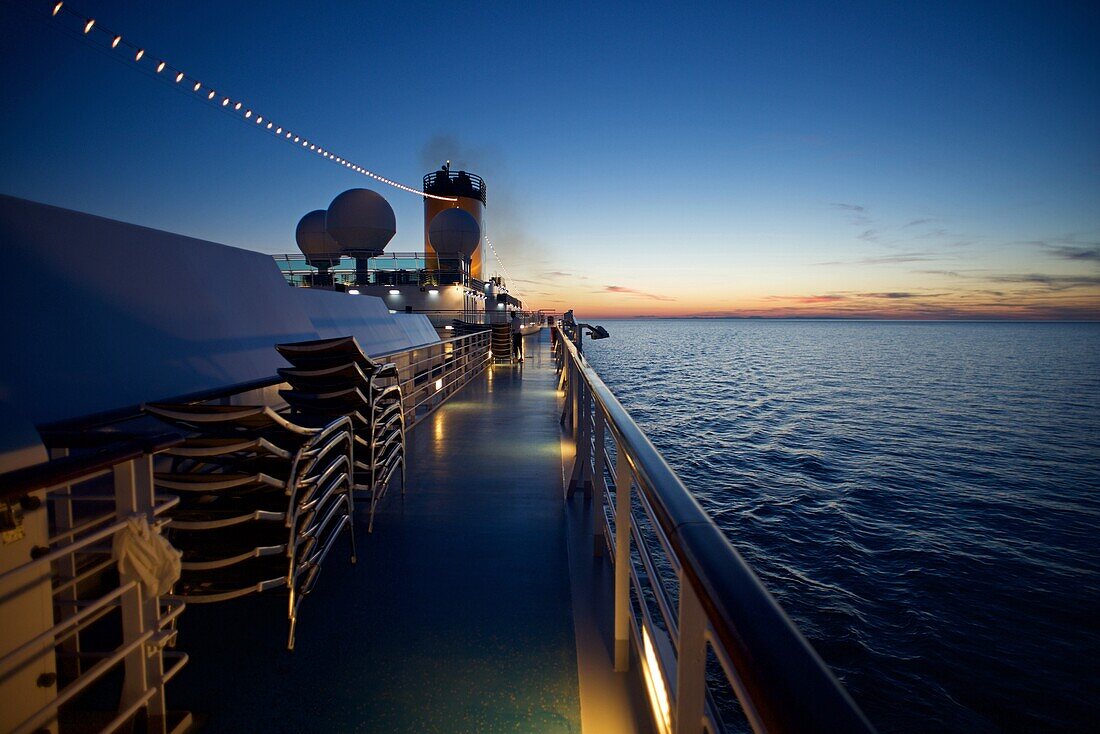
(455, 183)
(430, 374)
(690, 589)
(72, 554)
(397, 268)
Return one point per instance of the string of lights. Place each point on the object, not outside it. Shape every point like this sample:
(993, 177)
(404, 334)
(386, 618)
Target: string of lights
(500, 262)
(94, 32)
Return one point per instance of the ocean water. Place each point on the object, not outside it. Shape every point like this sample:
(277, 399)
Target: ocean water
(922, 498)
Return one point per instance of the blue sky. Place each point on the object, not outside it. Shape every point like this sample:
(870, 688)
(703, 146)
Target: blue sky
(666, 158)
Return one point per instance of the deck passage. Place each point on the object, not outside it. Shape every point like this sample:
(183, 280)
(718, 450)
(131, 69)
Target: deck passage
(458, 615)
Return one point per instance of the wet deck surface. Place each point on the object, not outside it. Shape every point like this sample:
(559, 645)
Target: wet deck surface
(457, 617)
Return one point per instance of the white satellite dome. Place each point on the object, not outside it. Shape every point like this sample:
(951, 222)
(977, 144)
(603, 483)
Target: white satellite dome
(361, 222)
(454, 231)
(320, 249)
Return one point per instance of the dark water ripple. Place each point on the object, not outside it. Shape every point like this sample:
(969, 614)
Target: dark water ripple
(922, 498)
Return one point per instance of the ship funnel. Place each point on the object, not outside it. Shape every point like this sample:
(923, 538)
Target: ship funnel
(362, 223)
(454, 231)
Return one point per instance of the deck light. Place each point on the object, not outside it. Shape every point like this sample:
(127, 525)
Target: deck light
(353, 291)
(179, 77)
(198, 86)
(448, 327)
(118, 40)
(237, 106)
(211, 95)
(225, 102)
(160, 67)
(88, 25)
(392, 311)
(395, 292)
(433, 292)
(247, 114)
(269, 126)
(658, 694)
(139, 54)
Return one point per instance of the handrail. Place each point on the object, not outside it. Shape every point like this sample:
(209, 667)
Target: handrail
(787, 685)
(20, 482)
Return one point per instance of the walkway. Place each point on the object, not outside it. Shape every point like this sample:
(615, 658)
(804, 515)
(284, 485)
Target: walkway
(458, 616)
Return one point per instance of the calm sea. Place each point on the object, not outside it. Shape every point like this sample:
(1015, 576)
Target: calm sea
(922, 498)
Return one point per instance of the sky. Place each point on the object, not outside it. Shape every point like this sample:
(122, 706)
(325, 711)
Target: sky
(873, 160)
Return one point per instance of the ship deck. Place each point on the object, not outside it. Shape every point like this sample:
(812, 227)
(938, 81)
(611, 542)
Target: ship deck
(476, 604)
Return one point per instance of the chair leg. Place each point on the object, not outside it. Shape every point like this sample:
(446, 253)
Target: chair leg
(351, 529)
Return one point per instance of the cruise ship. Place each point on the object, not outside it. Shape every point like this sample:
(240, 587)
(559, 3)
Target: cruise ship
(326, 492)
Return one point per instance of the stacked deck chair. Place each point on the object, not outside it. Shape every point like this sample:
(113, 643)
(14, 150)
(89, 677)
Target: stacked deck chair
(262, 499)
(501, 344)
(334, 377)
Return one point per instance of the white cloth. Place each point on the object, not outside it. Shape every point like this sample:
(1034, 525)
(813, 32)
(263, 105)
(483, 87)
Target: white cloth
(146, 555)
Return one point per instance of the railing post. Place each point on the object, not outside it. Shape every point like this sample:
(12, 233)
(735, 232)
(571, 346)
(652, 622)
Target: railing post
(691, 662)
(599, 484)
(67, 569)
(575, 394)
(581, 476)
(134, 490)
(623, 483)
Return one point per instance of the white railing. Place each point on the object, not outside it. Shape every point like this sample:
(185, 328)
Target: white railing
(690, 591)
(71, 560)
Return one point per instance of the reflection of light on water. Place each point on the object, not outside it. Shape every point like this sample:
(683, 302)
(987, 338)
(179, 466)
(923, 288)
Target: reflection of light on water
(655, 684)
(437, 427)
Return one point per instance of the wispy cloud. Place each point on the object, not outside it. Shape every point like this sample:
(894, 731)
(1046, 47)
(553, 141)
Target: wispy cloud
(636, 293)
(901, 257)
(1076, 252)
(1054, 282)
(919, 222)
(849, 207)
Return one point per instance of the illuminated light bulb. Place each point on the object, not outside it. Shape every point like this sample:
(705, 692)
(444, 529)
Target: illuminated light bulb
(139, 54)
(225, 102)
(211, 95)
(269, 126)
(179, 77)
(313, 147)
(198, 86)
(88, 25)
(259, 119)
(237, 106)
(160, 67)
(353, 292)
(248, 113)
(296, 138)
(118, 40)
(57, 8)
(279, 131)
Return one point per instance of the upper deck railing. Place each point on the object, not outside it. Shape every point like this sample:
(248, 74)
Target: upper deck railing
(455, 183)
(691, 589)
(396, 268)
